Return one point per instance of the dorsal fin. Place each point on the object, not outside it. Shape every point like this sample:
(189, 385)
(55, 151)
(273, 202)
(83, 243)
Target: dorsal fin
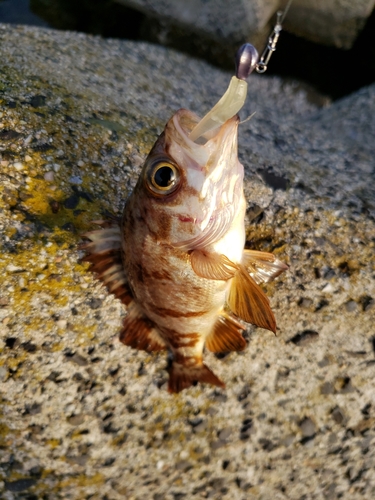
(139, 332)
(226, 335)
(104, 253)
(248, 301)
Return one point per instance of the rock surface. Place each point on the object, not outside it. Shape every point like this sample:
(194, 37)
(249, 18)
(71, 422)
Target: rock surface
(83, 416)
(336, 23)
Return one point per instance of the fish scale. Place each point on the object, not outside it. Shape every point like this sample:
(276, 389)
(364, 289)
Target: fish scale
(176, 258)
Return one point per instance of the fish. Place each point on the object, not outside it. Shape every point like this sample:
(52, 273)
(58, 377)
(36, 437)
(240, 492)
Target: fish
(176, 257)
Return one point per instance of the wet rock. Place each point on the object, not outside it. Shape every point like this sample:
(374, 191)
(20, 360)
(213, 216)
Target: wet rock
(344, 385)
(79, 360)
(183, 465)
(351, 306)
(247, 429)
(305, 302)
(29, 347)
(55, 206)
(198, 424)
(76, 419)
(307, 427)
(266, 444)
(7, 135)
(327, 388)
(71, 202)
(273, 180)
(43, 147)
(33, 409)
(37, 101)
(19, 484)
(224, 434)
(69, 226)
(367, 302)
(95, 303)
(304, 338)
(244, 393)
(323, 302)
(366, 410)
(338, 415)
(325, 361)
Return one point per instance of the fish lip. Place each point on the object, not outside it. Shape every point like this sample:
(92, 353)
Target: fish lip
(203, 158)
(184, 132)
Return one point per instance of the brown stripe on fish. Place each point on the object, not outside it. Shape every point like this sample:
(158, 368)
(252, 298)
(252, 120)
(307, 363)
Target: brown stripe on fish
(182, 340)
(135, 216)
(159, 218)
(187, 361)
(161, 275)
(155, 262)
(157, 274)
(179, 314)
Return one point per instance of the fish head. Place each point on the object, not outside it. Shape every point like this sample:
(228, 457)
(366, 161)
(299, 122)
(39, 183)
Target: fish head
(192, 189)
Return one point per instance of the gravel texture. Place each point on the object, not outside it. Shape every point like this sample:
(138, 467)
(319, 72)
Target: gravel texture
(84, 417)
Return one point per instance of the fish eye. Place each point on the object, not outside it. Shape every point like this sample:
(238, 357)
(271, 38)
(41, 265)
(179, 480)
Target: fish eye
(163, 177)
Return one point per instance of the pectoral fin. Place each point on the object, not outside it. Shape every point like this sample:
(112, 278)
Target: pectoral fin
(226, 335)
(262, 266)
(248, 301)
(212, 265)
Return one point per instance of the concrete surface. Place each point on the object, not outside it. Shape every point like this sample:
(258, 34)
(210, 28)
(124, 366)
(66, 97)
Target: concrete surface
(84, 417)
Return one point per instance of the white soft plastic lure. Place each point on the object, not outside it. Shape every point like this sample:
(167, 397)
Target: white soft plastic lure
(176, 258)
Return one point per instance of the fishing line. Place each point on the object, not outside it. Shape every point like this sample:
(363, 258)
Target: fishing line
(234, 97)
(247, 119)
(261, 66)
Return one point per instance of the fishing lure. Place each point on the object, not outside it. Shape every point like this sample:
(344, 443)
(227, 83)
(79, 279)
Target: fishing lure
(176, 257)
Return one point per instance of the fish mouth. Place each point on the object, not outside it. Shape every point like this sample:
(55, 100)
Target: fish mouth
(213, 174)
(184, 121)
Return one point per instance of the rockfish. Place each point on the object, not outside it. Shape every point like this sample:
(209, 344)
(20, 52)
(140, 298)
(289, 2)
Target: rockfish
(176, 258)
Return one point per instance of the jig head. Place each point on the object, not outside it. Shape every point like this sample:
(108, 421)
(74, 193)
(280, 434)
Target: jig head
(234, 97)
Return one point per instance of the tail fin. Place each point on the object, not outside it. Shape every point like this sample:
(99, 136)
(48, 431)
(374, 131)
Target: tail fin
(181, 377)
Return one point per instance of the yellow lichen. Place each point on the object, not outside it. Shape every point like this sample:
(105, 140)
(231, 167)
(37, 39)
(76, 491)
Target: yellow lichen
(53, 443)
(82, 481)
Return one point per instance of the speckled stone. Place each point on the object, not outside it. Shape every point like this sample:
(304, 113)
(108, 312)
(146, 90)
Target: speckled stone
(84, 417)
